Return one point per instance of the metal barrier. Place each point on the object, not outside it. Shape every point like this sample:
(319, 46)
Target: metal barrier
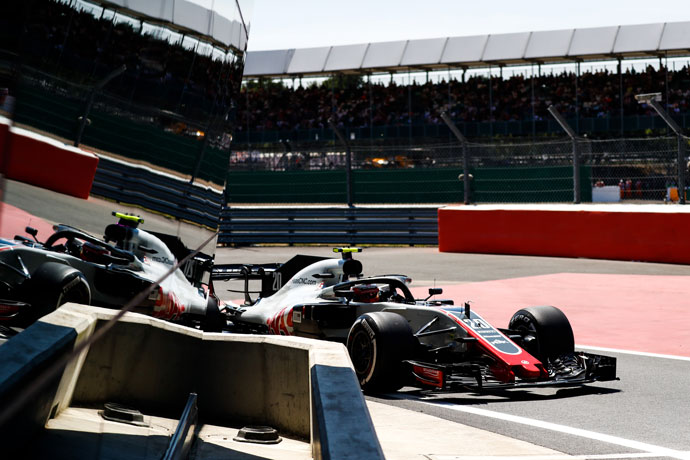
(329, 225)
(165, 193)
(142, 186)
(499, 172)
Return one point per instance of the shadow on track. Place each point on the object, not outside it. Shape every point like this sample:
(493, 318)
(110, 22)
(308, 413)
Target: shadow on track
(495, 396)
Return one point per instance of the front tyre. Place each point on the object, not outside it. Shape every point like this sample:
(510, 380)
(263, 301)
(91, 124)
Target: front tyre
(546, 332)
(378, 343)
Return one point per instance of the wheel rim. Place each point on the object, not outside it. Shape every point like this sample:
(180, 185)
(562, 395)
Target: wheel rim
(362, 352)
(530, 339)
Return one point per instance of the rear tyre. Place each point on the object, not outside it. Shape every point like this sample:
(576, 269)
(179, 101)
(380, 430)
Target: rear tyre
(378, 343)
(214, 320)
(55, 284)
(546, 332)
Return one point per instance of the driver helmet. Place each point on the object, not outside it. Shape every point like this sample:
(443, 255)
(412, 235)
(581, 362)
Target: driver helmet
(366, 293)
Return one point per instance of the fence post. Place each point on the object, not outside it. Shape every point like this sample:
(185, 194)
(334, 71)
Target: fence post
(465, 161)
(89, 103)
(348, 161)
(576, 152)
(653, 99)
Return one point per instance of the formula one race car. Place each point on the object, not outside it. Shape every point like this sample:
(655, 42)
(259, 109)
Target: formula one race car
(73, 266)
(395, 340)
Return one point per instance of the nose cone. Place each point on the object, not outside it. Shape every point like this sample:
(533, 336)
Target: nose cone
(529, 370)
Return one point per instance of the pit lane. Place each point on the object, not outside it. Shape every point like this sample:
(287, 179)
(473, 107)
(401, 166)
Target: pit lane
(644, 415)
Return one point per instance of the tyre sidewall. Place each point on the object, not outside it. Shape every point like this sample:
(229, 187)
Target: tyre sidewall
(390, 341)
(550, 327)
(363, 330)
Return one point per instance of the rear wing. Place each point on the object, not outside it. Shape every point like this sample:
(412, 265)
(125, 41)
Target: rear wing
(273, 276)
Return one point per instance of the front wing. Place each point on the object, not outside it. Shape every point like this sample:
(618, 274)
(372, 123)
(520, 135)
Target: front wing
(477, 375)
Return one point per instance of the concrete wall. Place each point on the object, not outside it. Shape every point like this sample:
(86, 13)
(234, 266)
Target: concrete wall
(47, 163)
(302, 387)
(24, 362)
(153, 366)
(648, 233)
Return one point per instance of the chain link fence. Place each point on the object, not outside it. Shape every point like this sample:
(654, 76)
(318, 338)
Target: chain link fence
(615, 170)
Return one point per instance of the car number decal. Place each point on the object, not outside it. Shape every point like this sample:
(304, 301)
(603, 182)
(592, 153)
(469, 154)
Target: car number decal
(484, 330)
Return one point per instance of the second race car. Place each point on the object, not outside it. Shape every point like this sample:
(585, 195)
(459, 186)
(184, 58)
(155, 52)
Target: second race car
(73, 266)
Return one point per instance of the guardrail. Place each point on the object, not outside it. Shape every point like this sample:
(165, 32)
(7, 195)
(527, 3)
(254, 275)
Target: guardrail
(409, 225)
(243, 225)
(139, 185)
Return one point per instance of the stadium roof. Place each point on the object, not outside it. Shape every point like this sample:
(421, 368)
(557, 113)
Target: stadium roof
(219, 21)
(614, 42)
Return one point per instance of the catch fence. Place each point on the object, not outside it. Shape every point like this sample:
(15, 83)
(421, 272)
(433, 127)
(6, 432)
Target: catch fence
(625, 170)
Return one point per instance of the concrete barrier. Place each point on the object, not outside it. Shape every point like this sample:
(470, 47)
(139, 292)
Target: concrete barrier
(649, 233)
(302, 387)
(47, 163)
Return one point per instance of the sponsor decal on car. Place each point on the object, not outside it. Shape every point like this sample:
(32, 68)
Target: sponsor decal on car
(305, 281)
(484, 330)
(281, 323)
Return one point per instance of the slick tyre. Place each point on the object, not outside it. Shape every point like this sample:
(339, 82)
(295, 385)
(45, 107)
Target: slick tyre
(54, 284)
(214, 320)
(378, 343)
(546, 332)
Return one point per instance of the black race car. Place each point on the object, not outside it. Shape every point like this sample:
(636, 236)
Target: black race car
(395, 340)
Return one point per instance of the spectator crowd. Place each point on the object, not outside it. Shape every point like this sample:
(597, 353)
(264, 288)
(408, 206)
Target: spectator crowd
(267, 105)
(82, 46)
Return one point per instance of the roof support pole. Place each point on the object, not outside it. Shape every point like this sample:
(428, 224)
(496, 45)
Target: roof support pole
(577, 98)
(534, 115)
(248, 112)
(409, 106)
(668, 101)
(491, 105)
(371, 110)
(450, 101)
(620, 94)
(332, 93)
(189, 75)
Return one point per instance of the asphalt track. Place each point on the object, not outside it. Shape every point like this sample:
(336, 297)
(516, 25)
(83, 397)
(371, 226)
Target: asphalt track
(635, 311)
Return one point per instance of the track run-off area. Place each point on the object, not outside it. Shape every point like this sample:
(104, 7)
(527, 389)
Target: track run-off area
(637, 312)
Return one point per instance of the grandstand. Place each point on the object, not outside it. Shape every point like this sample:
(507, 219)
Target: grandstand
(172, 104)
(176, 105)
(471, 83)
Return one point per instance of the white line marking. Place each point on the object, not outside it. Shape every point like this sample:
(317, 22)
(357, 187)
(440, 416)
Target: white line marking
(631, 352)
(543, 457)
(593, 435)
